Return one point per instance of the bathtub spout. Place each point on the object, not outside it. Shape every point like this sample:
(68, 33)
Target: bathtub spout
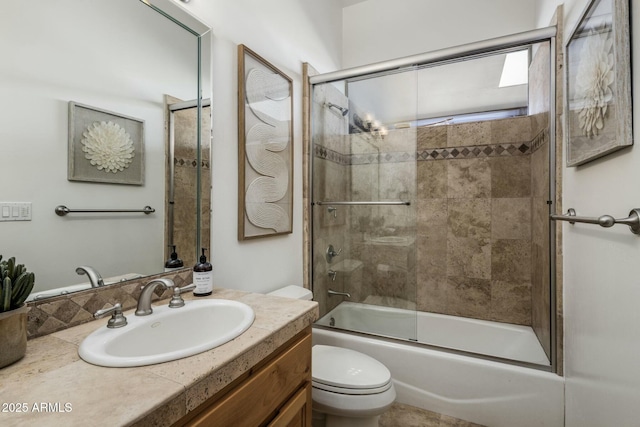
(344, 294)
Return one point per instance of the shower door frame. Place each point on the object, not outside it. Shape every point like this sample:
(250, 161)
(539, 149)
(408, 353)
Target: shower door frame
(542, 35)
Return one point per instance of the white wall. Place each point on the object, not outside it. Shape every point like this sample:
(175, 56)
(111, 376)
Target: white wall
(377, 30)
(286, 33)
(601, 274)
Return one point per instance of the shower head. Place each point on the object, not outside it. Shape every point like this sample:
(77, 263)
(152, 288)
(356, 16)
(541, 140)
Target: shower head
(344, 111)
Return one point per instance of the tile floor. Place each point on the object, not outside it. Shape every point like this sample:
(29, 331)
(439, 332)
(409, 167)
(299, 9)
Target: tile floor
(401, 415)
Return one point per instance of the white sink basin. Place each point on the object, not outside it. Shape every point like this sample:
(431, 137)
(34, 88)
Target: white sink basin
(168, 333)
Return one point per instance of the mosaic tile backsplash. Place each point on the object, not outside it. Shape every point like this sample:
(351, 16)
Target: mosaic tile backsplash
(62, 312)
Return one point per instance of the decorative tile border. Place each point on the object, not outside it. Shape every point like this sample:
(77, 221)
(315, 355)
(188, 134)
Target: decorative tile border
(328, 154)
(539, 140)
(393, 157)
(494, 150)
(64, 311)
(448, 153)
(190, 162)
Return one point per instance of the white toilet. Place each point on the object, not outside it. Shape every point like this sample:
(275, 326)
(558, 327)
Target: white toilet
(350, 389)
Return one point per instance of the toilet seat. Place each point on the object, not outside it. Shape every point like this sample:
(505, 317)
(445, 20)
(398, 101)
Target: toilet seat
(350, 391)
(344, 371)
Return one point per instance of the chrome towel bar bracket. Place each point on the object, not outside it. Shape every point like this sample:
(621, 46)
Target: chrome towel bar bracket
(633, 220)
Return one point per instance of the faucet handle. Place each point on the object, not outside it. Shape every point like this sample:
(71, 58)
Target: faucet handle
(331, 253)
(117, 318)
(176, 299)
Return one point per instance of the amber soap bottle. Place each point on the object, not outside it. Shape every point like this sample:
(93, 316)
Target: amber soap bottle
(203, 277)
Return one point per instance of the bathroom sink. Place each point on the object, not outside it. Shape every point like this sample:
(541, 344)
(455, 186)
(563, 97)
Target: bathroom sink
(168, 333)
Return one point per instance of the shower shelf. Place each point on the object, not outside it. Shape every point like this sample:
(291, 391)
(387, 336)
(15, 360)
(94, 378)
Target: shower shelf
(633, 220)
(395, 202)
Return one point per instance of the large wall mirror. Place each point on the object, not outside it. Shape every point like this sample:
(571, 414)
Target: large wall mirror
(142, 65)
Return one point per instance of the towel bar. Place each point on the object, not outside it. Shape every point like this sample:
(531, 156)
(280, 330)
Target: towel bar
(633, 220)
(62, 210)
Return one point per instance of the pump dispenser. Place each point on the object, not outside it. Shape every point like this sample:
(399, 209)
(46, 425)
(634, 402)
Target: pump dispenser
(173, 262)
(203, 277)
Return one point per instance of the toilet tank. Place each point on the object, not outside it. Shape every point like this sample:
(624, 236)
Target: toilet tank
(293, 291)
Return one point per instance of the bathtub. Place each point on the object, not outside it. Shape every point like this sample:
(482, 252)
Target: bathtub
(496, 339)
(481, 391)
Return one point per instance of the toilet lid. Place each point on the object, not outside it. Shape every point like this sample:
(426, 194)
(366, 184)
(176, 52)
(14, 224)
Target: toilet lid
(344, 368)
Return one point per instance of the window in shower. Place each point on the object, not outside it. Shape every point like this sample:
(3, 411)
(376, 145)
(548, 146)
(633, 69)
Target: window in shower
(433, 190)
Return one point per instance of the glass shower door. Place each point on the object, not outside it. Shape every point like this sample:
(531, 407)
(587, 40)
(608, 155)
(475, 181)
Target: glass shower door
(363, 190)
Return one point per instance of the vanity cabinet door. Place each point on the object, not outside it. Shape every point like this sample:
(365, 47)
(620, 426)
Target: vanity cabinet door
(278, 394)
(296, 412)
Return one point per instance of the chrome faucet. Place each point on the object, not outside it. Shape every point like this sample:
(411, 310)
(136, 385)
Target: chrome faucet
(332, 274)
(94, 276)
(144, 301)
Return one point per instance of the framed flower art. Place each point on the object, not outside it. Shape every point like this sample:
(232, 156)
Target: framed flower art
(105, 146)
(598, 117)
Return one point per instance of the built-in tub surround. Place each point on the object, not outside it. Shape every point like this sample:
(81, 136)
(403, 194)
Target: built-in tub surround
(474, 199)
(467, 249)
(51, 371)
(478, 223)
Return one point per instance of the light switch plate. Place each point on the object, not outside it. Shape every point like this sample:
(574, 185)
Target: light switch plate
(15, 211)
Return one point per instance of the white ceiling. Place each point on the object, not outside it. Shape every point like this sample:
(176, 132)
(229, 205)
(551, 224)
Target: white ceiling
(465, 87)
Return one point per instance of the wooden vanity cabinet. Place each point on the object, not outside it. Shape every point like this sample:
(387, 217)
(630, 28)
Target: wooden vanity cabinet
(275, 393)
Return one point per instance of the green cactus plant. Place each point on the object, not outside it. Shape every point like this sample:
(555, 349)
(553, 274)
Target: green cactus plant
(16, 284)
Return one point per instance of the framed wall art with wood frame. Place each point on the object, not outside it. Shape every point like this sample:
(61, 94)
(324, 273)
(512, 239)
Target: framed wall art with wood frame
(265, 148)
(598, 116)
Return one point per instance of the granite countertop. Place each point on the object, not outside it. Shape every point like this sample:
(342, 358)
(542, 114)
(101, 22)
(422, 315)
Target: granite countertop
(52, 386)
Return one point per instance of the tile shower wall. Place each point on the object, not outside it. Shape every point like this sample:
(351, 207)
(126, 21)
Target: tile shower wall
(383, 237)
(330, 182)
(474, 220)
(185, 175)
(472, 242)
(473, 232)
